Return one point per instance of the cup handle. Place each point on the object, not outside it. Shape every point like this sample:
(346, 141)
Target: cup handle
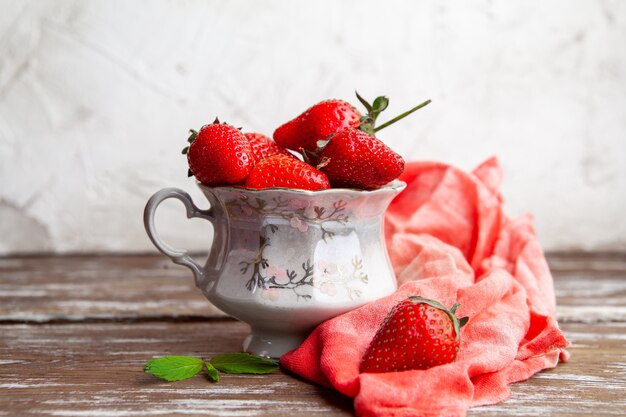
(177, 256)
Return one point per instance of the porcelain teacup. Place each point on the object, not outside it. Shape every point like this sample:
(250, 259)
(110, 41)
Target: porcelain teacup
(284, 260)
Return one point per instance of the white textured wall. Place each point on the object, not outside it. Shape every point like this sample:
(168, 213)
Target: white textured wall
(96, 98)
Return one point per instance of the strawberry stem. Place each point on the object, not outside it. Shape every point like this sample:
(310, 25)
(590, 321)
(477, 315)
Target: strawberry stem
(456, 322)
(402, 116)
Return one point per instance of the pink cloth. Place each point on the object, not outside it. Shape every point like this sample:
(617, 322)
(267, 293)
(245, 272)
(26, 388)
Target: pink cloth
(449, 240)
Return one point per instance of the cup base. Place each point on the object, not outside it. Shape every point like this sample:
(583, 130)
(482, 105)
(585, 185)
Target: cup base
(270, 343)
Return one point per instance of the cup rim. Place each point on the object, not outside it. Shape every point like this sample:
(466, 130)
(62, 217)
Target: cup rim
(395, 185)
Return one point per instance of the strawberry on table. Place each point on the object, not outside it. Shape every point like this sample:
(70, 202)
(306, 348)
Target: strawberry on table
(219, 154)
(355, 159)
(418, 333)
(317, 123)
(288, 172)
(264, 147)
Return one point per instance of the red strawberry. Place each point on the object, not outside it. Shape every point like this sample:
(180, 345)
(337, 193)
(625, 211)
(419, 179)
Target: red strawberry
(418, 333)
(288, 172)
(219, 154)
(317, 123)
(263, 147)
(355, 159)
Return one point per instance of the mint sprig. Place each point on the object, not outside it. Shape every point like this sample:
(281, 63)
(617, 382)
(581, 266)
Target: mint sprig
(243, 363)
(177, 368)
(174, 368)
(212, 372)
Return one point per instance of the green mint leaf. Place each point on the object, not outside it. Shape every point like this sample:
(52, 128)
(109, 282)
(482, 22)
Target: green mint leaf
(212, 372)
(173, 368)
(243, 363)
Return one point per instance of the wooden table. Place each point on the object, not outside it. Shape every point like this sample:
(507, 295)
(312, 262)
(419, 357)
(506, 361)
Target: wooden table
(76, 331)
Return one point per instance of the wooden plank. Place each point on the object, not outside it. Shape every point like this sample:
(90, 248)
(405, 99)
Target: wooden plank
(43, 289)
(589, 288)
(95, 369)
(587, 261)
(591, 383)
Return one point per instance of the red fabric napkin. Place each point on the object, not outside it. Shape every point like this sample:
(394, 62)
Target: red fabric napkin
(448, 239)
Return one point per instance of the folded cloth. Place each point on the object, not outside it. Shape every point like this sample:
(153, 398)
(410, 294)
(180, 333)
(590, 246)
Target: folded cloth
(449, 240)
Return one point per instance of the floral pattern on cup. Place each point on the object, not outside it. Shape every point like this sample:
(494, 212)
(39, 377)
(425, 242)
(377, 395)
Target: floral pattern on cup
(327, 269)
(271, 294)
(279, 275)
(298, 224)
(299, 213)
(327, 277)
(297, 204)
(330, 275)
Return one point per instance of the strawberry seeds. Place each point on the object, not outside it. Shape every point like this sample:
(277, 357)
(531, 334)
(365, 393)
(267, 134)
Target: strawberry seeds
(330, 145)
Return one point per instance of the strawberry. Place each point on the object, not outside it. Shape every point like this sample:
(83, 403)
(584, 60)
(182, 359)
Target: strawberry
(329, 117)
(263, 147)
(317, 123)
(355, 159)
(219, 154)
(418, 333)
(288, 172)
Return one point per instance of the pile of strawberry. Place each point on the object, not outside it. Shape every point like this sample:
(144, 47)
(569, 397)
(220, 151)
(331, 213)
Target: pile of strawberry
(329, 145)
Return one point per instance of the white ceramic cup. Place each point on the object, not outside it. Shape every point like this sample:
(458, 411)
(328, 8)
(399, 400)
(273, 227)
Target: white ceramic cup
(284, 260)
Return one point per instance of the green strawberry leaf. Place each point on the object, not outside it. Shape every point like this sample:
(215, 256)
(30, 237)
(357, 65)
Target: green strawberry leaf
(173, 368)
(243, 363)
(192, 135)
(380, 104)
(364, 102)
(212, 372)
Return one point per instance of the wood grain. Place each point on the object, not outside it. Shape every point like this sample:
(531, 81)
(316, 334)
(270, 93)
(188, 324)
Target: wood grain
(43, 289)
(76, 332)
(590, 288)
(60, 370)
(74, 288)
(66, 369)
